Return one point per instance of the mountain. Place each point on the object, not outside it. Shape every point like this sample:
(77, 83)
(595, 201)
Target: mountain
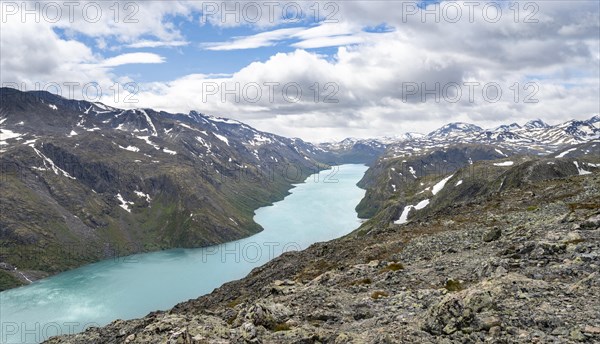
(396, 183)
(534, 137)
(84, 181)
(390, 178)
(352, 150)
(536, 124)
(455, 129)
(509, 127)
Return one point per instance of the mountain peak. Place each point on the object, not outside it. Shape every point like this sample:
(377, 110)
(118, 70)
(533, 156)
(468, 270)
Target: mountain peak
(455, 128)
(536, 123)
(505, 127)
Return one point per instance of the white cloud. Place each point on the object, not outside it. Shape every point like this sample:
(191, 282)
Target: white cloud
(263, 39)
(132, 58)
(157, 44)
(333, 41)
(320, 36)
(559, 53)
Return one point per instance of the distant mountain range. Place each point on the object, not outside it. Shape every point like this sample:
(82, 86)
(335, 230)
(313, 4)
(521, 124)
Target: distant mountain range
(534, 137)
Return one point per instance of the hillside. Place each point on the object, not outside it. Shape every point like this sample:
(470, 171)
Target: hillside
(511, 264)
(83, 181)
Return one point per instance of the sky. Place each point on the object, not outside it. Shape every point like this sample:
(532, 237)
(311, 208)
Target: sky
(318, 70)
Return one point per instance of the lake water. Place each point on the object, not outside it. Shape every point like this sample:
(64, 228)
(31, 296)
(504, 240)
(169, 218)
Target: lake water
(320, 209)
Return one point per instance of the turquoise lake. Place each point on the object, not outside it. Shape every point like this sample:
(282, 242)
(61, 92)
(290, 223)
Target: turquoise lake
(320, 209)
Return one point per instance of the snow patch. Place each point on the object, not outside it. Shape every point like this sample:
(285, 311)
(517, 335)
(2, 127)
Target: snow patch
(123, 203)
(47, 161)
(412, 171)
(53, 107)
(563, 154)
(504, 164)
(143, 195)
(222, 138)
(581, 171)
(147, 140)
(150, 123)
(6, 134)
(168, 151)
(440, 185)
(500, 152)
(30, 142)
(130, 148)
(222, 120)
(259, 139)
(458, 183)
(404, 216)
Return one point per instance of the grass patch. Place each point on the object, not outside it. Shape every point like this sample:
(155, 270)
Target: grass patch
(376, 295)
(574, 241)
(453, 285)
(8, 281)
(314, 270)
(232, 319)
(392, 267)
(590, 206)
(233, 303)
(532, 208)
(281, 327)
(362, 281)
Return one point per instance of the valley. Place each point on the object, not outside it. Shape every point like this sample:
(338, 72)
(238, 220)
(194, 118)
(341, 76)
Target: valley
(446, 216)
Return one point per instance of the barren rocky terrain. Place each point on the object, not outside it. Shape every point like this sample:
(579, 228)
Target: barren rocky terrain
(515, 266)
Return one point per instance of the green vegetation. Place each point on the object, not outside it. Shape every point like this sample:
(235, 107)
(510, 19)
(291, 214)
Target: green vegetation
(453, 285)
(281, 327)
(8, 281)
(392, 267)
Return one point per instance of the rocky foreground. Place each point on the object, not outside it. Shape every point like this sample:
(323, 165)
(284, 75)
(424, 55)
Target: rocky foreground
(520, 266)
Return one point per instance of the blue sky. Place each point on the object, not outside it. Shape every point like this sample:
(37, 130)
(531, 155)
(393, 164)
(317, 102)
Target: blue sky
(193, 57)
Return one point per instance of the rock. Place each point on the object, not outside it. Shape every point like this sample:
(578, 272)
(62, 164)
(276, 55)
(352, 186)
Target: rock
(495, 331)
(591, 330)
(342, 338)
(130, 338)
(500, 271)
(488, 322)
(576, 335)
(248, 331)
(492, 235)
(373, 263)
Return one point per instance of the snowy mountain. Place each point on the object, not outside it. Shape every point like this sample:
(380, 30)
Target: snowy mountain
(536, 124)
(509, 127)
(454, 130)
(535, 137)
